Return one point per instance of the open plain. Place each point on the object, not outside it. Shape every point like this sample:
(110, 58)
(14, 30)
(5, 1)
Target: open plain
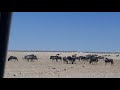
(46, 68)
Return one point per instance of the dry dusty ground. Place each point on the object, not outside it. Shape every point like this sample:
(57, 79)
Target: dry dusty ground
(45, 68)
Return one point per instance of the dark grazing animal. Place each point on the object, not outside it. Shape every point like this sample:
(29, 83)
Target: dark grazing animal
(93, 59)
(109, 61)
(71, 59)
(30, 57)
(85, 58)
(55, 58)
(13, 57)
(65, 60)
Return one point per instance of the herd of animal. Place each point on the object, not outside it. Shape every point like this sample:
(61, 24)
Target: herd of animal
(92, 59)
(31, 57)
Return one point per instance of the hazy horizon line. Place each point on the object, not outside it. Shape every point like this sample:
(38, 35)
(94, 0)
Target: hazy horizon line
(64, 51)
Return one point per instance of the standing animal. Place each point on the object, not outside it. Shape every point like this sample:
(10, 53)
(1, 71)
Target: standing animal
(13, 57)
(65, 60)
(55, 58)
(109, 61)
(93, 59)
(85, 58)
(30, 57)
(71, 59)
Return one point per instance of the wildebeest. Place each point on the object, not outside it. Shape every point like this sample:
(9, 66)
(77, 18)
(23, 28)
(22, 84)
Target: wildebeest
(13, 57)
(65, 60)
(55, 58)
(93, 59)
(30, 57)
(71, 59)
(109, 61)
(84, 58)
